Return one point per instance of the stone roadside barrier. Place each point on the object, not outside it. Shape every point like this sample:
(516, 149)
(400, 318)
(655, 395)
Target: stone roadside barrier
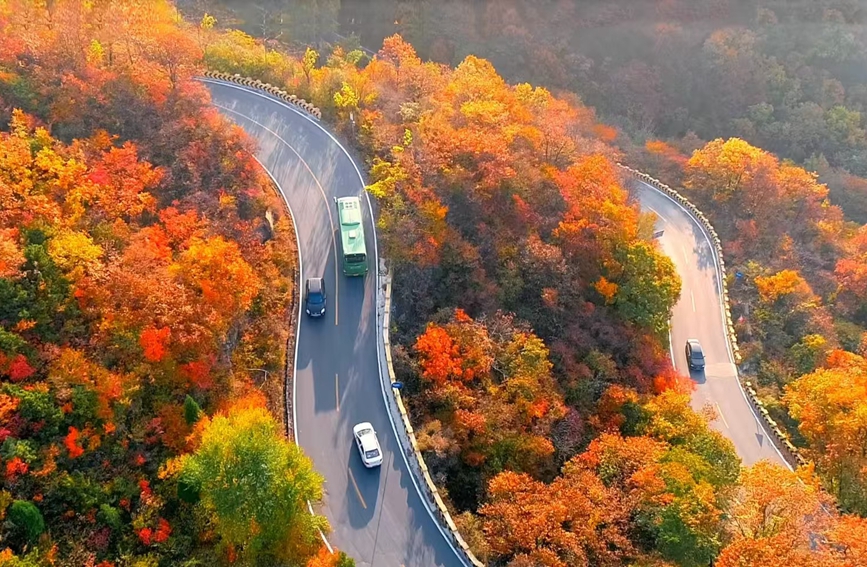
(781, 438)
(414, 456)
(268, 88)
(782, 441)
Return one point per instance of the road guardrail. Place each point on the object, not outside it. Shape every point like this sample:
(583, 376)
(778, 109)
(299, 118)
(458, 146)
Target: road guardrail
(431, 493)
(268, 88)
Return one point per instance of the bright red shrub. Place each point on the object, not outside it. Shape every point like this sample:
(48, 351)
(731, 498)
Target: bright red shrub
(19, 369)
(71, 443)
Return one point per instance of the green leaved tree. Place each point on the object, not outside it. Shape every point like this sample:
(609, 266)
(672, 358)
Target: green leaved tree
(254, 484)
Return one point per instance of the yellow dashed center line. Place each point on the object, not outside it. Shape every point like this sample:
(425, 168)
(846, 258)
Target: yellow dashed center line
(358, 492)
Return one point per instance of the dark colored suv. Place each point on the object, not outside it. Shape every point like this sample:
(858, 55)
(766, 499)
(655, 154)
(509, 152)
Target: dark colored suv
(694, 355)
(314, 297)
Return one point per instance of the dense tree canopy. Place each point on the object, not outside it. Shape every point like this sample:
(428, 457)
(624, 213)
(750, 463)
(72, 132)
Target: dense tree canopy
(741, 83)
(132, 241)
(255, 485)
(531, 303)
(504, 218)
(830, 405)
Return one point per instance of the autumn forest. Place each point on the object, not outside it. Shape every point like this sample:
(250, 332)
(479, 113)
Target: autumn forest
(148, 275)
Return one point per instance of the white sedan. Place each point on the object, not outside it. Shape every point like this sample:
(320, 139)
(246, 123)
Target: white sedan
(368, 445)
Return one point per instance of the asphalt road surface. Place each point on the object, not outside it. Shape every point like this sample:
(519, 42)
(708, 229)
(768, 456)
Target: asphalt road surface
(376, 515)
(698, 315)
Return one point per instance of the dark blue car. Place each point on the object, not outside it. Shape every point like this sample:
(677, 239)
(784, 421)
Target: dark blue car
(314, 297)
(694, 355)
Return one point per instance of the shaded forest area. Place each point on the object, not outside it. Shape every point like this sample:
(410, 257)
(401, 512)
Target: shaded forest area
(787, 76)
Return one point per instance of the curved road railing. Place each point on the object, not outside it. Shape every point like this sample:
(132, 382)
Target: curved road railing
(394, 401)
(268, 88)
(781, 440)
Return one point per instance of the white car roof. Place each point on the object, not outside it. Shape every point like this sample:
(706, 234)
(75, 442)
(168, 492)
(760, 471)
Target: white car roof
(368, 437)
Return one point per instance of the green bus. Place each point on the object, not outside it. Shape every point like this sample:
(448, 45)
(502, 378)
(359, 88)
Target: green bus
(352, 236)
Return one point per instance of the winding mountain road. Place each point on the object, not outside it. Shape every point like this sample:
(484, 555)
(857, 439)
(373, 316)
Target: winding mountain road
(698, 315)
(377, 515)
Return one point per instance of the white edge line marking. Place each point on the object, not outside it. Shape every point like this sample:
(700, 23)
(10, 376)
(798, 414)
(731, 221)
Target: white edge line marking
(722, 313)
(721, 416)
(297, 331)
(321, 192)
(378, 345)
(671, 348)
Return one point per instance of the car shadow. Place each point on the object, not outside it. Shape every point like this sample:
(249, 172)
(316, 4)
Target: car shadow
(697, 376)
(319, 339)
(362, 490)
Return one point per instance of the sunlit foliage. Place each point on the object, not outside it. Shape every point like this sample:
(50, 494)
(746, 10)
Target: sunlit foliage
(255, 485)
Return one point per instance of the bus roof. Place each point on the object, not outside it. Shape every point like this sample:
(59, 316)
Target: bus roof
(349, 209)
(351, 229)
